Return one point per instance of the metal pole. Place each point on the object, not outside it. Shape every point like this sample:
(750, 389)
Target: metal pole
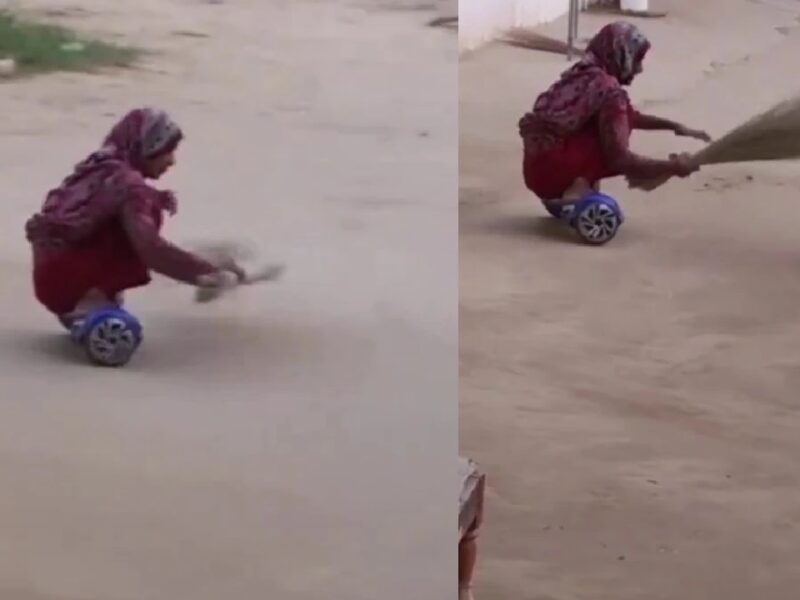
(569, 31)
(576, 14)
(572, 28)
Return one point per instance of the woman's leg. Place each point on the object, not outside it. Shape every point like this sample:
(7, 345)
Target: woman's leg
(94, 300)
(564, 175)
(579, 188)
(85, 279)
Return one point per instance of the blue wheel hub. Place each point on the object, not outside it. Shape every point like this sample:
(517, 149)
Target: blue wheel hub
(110, 336)
(596, 217)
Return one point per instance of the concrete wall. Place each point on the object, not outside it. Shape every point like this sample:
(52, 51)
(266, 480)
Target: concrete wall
(481, 20)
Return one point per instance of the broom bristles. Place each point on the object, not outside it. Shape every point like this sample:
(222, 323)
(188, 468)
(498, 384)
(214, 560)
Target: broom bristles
(522, 37)
(771, 135)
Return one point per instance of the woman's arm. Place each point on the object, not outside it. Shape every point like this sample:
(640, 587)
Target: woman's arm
(157, 253)
(653, 123)
(615, 125)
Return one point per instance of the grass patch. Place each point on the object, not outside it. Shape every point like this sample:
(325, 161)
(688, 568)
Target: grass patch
(39, 48)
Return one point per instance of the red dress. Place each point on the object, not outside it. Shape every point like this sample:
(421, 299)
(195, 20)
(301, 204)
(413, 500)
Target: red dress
(550, 173)
(105, 261)
(118, 254)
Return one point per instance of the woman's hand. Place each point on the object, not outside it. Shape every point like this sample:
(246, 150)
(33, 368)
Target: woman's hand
(698, 134)
(229, 265)
(678, 165)
(217, 280)
(683, 164)
(212, 286)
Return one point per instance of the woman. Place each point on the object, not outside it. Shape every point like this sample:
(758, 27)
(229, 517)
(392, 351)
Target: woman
(98, 233)
(579, 130)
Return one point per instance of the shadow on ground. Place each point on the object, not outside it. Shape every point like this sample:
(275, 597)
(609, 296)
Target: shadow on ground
(180, 343)
(545, 228)
(530, 227)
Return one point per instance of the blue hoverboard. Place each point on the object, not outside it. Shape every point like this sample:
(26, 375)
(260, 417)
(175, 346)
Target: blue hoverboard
(109, 336)
(596, 217)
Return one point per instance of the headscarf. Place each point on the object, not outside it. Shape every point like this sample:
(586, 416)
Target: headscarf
(618, 48)
(95, 190)
(143, 133)
(611, 60)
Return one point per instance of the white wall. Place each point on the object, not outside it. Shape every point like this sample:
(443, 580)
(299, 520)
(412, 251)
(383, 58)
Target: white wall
(481, 20)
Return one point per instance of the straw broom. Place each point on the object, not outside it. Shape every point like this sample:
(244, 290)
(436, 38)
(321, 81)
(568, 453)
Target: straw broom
(213, 287)
(225, 253)
(523, 37)
(772, 135)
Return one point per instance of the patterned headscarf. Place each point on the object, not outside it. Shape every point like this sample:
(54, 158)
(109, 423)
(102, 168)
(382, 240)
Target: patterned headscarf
(618, 48)
(612, 59)
(96, 188)
(143, 133)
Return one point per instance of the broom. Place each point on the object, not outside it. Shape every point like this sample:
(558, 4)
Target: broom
(211, 288)
(772, 135)
(522, 37)
(225, 252)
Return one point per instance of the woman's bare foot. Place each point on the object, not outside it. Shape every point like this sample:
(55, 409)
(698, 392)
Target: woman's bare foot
(94, 300)
(579, 188)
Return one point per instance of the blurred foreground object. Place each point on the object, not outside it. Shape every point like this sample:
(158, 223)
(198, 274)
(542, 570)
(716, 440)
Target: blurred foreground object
(470, 518)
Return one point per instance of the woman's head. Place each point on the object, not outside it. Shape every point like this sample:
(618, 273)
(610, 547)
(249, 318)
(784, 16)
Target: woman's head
(619, 48)
(146, 138)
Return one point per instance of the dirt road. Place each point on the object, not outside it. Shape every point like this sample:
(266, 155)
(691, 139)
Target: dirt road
(290, 442)
(636, 406)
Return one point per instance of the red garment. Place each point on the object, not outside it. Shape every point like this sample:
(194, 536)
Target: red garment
(106, 262)
(551, 172)
(102, 224)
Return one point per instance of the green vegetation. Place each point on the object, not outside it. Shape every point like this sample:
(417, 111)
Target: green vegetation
(38, 48)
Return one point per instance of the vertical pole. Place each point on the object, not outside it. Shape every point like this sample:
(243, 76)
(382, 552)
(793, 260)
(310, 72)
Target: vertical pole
(576, 14)
(572, 28)
(570, 41)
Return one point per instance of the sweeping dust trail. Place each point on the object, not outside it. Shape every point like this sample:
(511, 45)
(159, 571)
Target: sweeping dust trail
(635, 406)
(288, 441)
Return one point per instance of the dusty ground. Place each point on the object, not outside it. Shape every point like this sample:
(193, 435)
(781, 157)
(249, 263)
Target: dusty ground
(636, 406)
(290, 442)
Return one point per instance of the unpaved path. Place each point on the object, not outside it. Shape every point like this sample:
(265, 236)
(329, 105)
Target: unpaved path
(285, 443)
(636, 406)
